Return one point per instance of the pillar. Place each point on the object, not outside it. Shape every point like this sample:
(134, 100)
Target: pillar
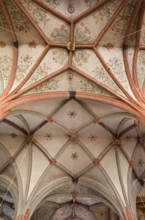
(130, 215)
(24, 216)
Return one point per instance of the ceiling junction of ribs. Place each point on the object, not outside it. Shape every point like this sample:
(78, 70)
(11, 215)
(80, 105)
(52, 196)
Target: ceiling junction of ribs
(72, 97)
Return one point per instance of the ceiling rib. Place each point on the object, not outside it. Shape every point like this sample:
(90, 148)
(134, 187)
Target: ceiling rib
(44, 37)
(81, 73)
(114, 16)
(51, 10)
(91, 10)
(34, 67)
(125, 51)
(137, 46)
(113, 76)
(97, 6)
(15, 49)
(129, 103)
(37, 83)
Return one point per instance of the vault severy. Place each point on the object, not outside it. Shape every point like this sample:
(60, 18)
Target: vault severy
(81, 207)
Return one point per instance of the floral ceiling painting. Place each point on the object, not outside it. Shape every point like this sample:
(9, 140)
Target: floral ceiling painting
(72, 77)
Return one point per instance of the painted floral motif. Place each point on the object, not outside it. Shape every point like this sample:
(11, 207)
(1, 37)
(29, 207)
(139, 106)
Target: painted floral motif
(130, 59)
(3, 21)
(41, 16)
(117, 66)
(141, 68)
(38, 13)
(24, 63)
(41, 72)
(83, 34)
(59, 55)
(109, 46)
(90, 3)
(92, 137)
(81, 56)
(19, 20)
(32, 44)
(5, 68)
(104, 77)
(69, 76)
(48, 136)
(140, 162)
(2, 44)
(72, 114)
(60, 35)
(107, 11)
(132, 37)
(55, 84)
(74, 156)
(53, 3)
(122, 21)
(142, 58)
(143, 38)
(50, 85)
(90, 87)
(143, 31)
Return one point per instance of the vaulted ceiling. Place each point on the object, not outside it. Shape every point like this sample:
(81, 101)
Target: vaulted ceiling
(90, 46)
(72, 106)
(79, 144)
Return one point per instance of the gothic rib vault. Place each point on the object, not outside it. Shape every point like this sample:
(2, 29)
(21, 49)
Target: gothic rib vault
(72, 109)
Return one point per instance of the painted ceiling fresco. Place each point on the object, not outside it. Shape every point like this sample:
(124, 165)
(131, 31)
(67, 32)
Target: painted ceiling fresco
(93, 47)
(72, 108)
